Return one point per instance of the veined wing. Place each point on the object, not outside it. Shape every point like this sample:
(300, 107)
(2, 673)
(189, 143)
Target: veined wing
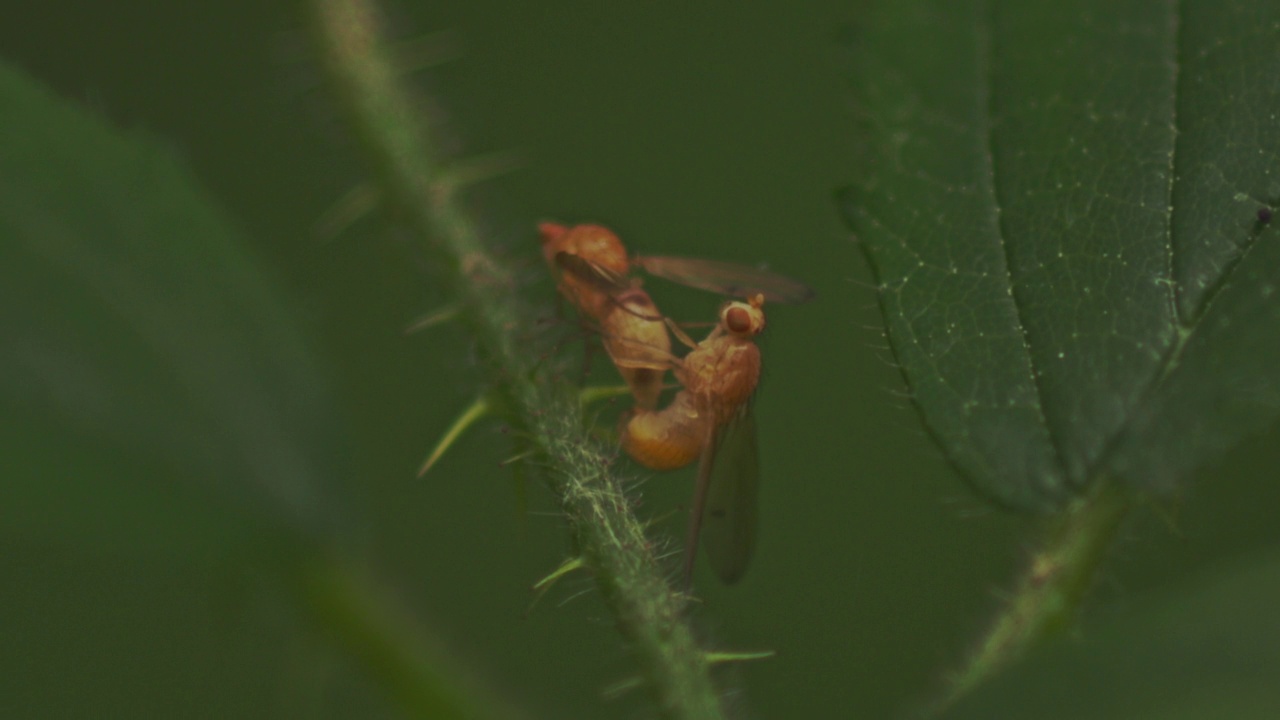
(595, 276)
(724, 509)
(727, 278)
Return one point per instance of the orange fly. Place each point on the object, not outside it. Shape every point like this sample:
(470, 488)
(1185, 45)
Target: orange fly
(593, 271)
(711, 420)
(591, 266)
(600, 247)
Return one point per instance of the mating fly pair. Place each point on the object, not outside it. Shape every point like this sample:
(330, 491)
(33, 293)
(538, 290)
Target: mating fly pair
(710, 418)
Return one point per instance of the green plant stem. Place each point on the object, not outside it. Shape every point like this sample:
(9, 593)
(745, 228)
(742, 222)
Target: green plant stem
(347, 604)
(414, 179)
(1051, 588)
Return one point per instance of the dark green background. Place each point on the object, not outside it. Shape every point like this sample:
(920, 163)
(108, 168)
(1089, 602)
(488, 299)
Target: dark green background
(715, 132)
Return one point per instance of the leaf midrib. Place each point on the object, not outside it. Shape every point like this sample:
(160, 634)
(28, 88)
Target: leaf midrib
(985, 52)
(1184, 331)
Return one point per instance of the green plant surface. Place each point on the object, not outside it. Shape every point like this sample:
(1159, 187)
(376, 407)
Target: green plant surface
(154, 566)
(1066, 209)
(1201, 655)
(1061, 203)
(159, 398)
(649, 612)
(138, 330)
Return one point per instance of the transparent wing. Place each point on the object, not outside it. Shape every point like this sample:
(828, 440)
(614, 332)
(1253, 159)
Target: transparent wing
(724, 504)
(727, 278)
(600, 278)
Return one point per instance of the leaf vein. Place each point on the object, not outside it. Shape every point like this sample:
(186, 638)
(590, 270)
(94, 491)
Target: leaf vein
(988, 101)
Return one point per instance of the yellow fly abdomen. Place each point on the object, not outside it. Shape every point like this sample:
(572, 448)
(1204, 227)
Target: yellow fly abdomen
(668, 439)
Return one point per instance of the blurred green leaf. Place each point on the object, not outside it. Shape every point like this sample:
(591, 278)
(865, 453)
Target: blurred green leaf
(1211, 651)
(1061, 204)
(155, 393)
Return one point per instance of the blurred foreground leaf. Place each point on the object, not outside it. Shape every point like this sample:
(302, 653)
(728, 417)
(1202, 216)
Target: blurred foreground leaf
(155, 394)
(1211, 652)
(1061, 203)
(157, 398)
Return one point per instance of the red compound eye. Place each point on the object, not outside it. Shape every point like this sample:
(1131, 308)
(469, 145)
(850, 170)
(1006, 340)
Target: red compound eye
(737, 320)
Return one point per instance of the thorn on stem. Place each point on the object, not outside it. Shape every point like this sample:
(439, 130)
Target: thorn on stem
(359, 201)
(472, 414)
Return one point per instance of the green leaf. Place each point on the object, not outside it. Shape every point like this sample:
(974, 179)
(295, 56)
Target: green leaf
(1060, 202)
(155, 393)
(1209, 652)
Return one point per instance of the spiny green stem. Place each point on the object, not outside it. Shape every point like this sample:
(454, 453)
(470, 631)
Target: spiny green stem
(1052, 587)
(415, 180)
